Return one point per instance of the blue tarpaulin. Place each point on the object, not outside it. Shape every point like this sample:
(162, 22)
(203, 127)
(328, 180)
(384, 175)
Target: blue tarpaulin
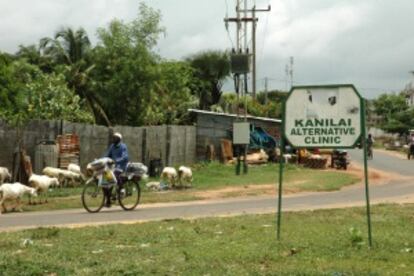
(260, 139)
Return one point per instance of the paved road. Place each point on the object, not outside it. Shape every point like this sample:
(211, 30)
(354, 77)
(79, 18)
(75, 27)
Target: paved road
(386, 162)
(395, 191)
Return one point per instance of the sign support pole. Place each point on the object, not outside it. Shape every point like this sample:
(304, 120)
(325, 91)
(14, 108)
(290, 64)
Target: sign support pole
(281, 165)
(364, 143)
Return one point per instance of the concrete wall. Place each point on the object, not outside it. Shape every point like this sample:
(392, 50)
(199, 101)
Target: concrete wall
(175, 145)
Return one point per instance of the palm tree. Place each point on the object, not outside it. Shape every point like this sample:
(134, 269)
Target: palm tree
(68, 46)
(32, 54)
(71, 49)
(211, 68)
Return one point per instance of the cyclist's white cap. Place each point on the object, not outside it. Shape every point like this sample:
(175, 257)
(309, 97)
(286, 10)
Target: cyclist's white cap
(119, 135)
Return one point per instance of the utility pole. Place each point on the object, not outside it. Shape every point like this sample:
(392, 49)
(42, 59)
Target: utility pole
(289, 73)
(238, 21)
(254, 20)
(245, 54)
(240, 149)
(254, 28)
(266, 88)
(287, 77)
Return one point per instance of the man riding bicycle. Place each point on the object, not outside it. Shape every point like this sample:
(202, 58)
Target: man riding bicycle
(118, 152)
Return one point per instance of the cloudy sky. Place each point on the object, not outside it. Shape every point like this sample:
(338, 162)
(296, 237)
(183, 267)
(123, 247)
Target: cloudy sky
(369, 43)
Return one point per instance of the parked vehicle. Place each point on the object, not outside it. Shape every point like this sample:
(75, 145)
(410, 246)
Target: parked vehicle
(128, 194)
(340, 159)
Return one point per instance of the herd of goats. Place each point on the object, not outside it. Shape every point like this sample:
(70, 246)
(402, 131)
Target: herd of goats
(39, 185)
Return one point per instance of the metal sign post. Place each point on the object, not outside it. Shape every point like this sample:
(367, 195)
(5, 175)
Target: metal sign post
(328, 116)
(364, 143)
(279, 202)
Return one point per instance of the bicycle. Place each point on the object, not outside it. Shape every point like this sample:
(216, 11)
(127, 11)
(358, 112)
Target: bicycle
(128, 195)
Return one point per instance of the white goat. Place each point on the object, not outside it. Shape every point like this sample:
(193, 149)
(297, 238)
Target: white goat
(64, 176)
(15, 191)
(169, 175)
(185, 176)
(42, 183)
(74, 168)
(4, 175)
(54, 172)
(72, 178)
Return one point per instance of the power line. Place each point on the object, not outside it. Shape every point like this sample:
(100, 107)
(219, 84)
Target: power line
(227, 25)
(253, 19)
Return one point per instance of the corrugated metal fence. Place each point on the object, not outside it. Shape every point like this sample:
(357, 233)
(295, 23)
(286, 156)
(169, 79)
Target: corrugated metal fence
(174, 145)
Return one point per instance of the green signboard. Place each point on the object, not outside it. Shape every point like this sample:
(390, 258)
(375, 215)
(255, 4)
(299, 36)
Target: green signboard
(325, 116)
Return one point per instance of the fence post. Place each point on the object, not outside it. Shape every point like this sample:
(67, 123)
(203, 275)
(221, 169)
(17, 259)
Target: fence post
(144, 147)
(168, 146)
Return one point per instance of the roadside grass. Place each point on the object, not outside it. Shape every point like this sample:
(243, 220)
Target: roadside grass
(213, 176)
(326, 242)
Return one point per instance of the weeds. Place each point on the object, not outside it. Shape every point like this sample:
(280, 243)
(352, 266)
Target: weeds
(327, 242)
(356, 237)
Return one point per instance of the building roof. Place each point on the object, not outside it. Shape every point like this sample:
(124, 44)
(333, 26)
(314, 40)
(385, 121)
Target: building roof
(265, 119)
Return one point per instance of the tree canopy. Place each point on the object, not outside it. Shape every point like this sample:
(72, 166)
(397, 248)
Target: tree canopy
(29, 93)
(122, 80)
(211, 68)
(397, 116)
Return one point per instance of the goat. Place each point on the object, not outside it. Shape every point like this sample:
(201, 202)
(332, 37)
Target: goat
(4, 175)
(42, 183)
(185, 176)
(169, 175)
(15, 192)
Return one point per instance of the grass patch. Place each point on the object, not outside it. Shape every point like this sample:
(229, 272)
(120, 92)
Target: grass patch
(329, 242)
(213, 176)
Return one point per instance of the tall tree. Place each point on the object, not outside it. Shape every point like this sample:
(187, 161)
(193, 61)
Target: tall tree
(127, 67)
(395, 112)
(389, 104)
(67, 47)
(211, 68)
(33, 55)
(37, 95)
(70, 50)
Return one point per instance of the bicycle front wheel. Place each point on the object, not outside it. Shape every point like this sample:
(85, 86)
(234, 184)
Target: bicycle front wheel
(93, 196)
(129, 195)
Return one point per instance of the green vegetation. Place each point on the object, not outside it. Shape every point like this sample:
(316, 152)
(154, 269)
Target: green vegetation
(93, 81)
(211, 69)
(214, 176)
(397, 116)
(265, 105)
(329, 242)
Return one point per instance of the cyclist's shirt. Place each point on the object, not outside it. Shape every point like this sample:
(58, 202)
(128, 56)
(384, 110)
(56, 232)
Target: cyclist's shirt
(119, 153)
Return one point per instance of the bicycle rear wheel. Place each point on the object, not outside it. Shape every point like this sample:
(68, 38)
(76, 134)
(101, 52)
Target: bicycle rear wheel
(93, 196)
(129, 195)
